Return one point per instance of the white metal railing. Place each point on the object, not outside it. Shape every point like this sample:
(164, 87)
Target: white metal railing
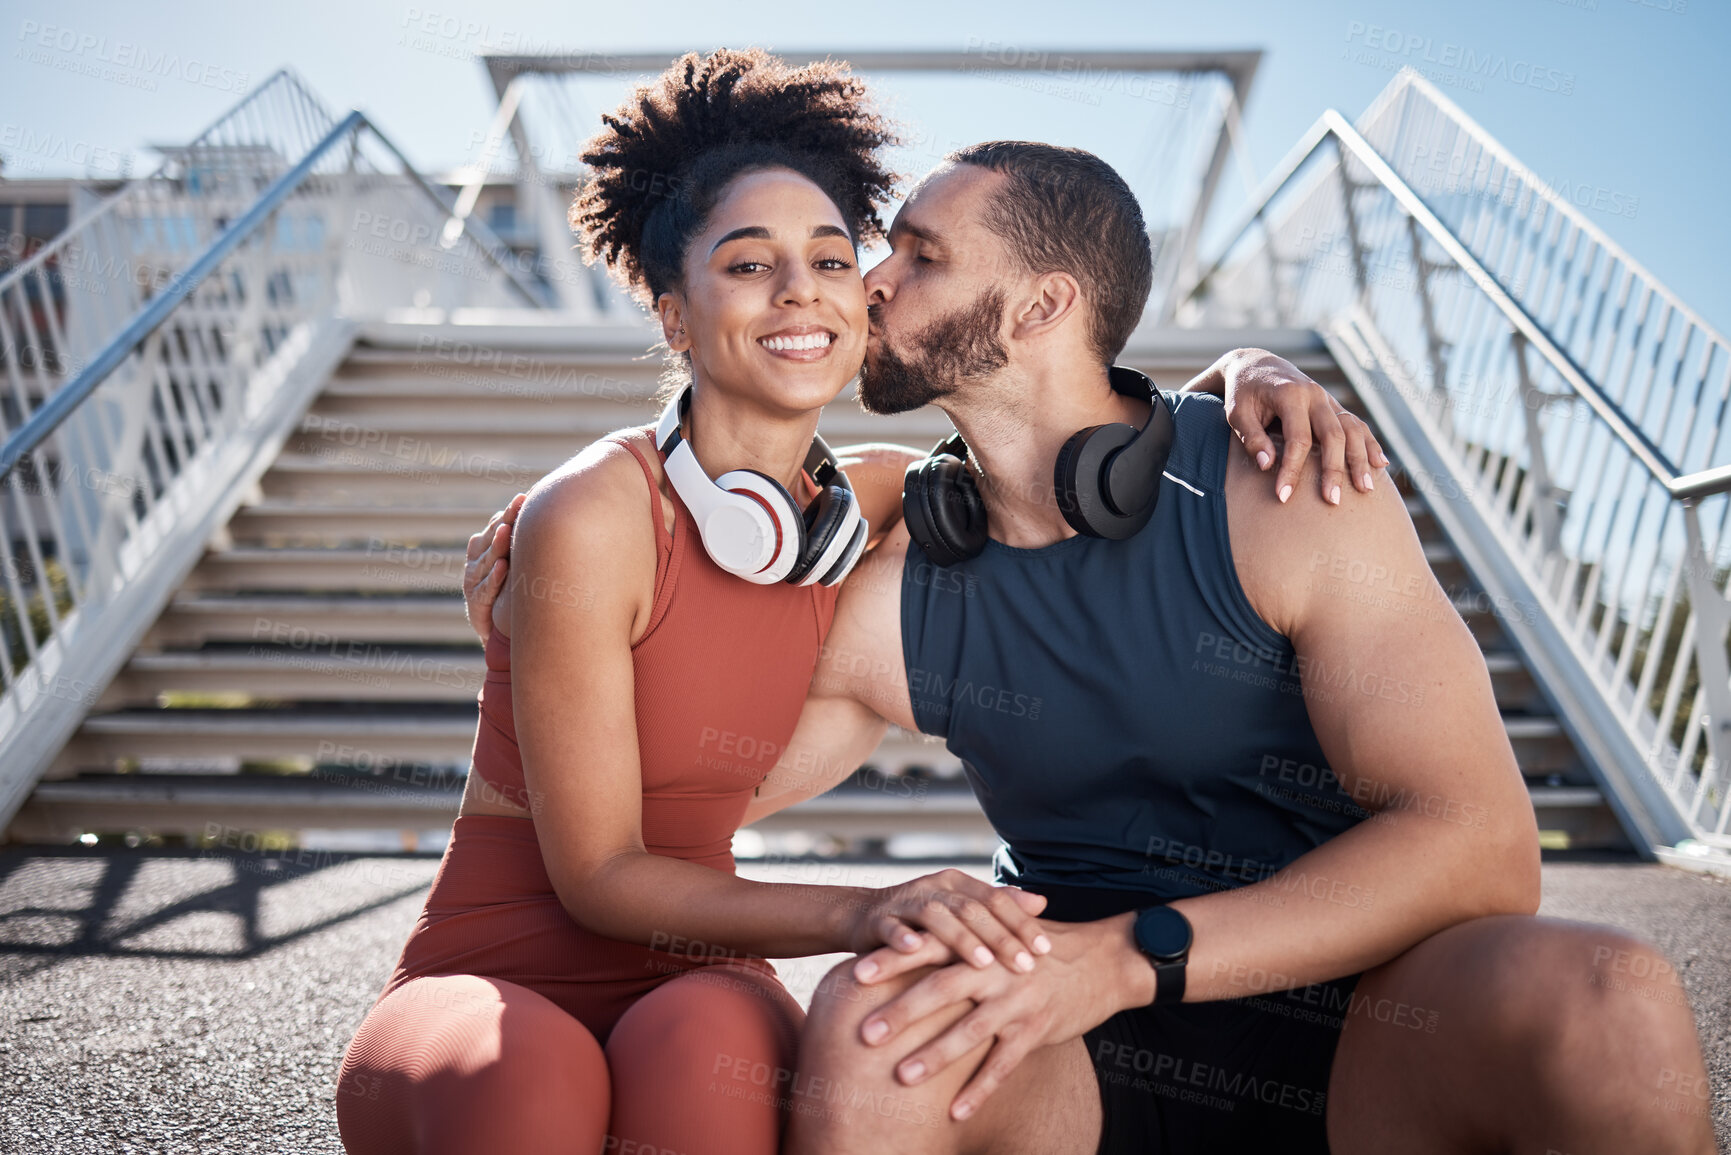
(155, 353)
(1575, 404)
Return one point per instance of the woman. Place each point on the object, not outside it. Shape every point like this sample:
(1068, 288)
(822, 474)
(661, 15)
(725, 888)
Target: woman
(588, 965)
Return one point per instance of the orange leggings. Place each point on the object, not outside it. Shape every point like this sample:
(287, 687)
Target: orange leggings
(448, 1064)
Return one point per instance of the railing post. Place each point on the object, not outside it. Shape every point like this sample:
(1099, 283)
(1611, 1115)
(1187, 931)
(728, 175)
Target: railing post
(1545, 493)
(1435, 346)
(341, 240)
(1347, 188)
(1273, 270)
(1712, 617)
(538, 202)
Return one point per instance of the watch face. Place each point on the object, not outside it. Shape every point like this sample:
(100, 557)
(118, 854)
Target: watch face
(1162, 933)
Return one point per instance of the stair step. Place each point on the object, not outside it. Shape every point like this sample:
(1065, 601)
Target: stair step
(352, 424)
(368, 480)
(477, 450)
(333, 670)
(1541, 747)
(398, 797)
(194, 619)
(401, 799)
(426, 461)
(431, 736)
(434, 735)
(548, 385)
(444, 733)
(288, 523)
(377, 566)
(373, 671)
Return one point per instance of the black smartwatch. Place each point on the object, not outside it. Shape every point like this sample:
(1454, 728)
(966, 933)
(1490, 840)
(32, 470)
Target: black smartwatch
(1163, 935)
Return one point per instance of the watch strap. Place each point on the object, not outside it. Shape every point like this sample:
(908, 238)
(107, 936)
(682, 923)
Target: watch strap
(1168, 983)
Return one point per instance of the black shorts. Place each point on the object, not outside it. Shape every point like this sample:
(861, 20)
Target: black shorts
(1229, 1076)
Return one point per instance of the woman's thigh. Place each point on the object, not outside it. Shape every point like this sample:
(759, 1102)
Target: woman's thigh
(705, 1062)
(464, 1063)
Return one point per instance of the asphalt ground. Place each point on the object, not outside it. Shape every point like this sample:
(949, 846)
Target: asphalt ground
(186, 1002)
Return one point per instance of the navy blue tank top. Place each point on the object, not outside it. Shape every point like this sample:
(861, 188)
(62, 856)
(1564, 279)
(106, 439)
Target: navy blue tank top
(1126, 719)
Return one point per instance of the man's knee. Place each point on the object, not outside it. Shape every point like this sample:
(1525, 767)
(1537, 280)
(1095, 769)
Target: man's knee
(840, 1003)
(1587, 997)
(1634, 987)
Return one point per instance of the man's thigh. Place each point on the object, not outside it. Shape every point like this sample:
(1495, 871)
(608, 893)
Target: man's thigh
(1517, 1033)
(849, 1098)
(1050, 1103)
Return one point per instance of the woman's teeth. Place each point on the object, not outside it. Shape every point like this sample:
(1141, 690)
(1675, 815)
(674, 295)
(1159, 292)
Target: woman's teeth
(807, 341)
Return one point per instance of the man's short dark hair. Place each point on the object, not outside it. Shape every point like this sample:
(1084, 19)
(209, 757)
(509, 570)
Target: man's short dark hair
(1066, 210)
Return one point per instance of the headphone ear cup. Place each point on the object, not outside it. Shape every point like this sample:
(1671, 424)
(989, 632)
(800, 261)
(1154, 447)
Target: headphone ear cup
(1076, 477)
(914, 483)
(832, 512)
(782, 513)
(943, 509)
(844, 565)
(1064, 478)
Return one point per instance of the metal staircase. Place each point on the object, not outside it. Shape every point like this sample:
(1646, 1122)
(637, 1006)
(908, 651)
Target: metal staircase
(287, 652)
(1563, 413)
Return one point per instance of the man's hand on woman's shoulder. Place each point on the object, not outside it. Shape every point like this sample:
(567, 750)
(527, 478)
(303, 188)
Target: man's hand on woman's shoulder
(484, 571)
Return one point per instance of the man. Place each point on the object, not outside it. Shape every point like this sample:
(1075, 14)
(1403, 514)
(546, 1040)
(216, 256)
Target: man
(1289, 860)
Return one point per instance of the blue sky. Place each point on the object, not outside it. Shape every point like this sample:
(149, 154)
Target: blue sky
(1642, 130)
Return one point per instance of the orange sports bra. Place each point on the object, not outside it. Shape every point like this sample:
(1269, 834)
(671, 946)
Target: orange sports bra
(721, 674)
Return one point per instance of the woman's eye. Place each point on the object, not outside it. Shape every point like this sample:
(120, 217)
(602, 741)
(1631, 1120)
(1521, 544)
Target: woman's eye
(747, 267)
(835, 264)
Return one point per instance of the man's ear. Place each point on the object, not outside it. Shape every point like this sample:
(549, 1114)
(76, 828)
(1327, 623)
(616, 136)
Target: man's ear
(672, 312)
(1054, 299)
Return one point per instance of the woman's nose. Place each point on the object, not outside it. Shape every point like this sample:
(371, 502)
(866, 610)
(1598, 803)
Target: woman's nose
(799, 286)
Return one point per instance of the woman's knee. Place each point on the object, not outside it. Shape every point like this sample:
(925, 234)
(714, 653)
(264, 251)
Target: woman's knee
(707, 1020)
(445, 1061)
(704, 1062)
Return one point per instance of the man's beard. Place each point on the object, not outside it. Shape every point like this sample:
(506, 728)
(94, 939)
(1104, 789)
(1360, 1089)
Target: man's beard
(959, 346)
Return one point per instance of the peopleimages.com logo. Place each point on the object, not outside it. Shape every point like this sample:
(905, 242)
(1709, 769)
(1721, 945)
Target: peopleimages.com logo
(99, 56)
(1376, 45)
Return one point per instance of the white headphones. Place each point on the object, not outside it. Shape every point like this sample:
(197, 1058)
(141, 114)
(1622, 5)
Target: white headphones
(751, 525)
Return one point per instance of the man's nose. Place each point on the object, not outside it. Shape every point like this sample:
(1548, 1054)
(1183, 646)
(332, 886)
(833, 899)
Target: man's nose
(878, 285)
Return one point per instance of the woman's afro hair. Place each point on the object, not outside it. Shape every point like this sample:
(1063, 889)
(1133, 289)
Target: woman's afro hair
(668, 152)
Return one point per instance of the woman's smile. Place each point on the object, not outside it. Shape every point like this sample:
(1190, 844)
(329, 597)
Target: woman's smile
(799, 343)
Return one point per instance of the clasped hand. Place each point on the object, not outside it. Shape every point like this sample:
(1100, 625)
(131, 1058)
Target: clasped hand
(962, 917)
(1080, 983)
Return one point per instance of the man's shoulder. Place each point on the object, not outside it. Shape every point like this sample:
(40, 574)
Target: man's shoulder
(1277, 546)
(1200, 434)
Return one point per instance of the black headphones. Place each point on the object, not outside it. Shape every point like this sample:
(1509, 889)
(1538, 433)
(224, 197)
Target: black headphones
(1106, 480)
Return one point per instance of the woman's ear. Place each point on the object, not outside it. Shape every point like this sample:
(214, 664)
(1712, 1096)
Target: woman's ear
(672, 312)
